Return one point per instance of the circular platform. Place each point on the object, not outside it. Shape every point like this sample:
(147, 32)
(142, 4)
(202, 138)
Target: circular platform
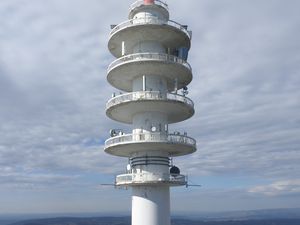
(124, 70)
(171, 34)
(140, 179)
(127, 145)
(177, 107)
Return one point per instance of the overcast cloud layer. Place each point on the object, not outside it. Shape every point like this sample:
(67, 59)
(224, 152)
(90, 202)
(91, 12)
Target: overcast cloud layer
(53, 59)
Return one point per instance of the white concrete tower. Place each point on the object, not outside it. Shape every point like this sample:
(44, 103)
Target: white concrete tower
(151, 67)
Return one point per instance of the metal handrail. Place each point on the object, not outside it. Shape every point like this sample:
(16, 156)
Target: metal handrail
(148, 56)
(148, 95)
(149, 20)
(150, 137)
(150, 177)
(156, 2)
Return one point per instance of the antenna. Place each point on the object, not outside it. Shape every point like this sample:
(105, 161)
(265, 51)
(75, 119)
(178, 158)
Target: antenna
(107, 185)
(193, 185)
(115, 132)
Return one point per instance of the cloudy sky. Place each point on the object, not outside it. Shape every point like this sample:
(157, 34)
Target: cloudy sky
(53, 58)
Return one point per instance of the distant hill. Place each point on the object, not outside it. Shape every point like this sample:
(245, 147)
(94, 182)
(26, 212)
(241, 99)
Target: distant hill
(126, 221)
(78, 221)
(255, 217)
(247, 222)
(7, 222)
(269, 214)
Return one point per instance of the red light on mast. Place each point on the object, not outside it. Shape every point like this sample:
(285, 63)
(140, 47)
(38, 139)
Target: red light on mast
(148, 2)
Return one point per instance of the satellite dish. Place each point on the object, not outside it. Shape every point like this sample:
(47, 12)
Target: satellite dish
(115, 132)
(112, 132)
(175, 170)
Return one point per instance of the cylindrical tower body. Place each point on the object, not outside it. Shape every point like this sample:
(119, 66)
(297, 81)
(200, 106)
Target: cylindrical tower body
(151, 205)
(151, 67)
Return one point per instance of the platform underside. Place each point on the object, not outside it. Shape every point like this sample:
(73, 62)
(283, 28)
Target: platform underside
(130, 148)
(175, 110)
(121, 76)
(169, 36)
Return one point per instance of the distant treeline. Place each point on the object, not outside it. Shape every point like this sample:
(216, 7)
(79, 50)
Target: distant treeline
(246, 222)
(126, 221)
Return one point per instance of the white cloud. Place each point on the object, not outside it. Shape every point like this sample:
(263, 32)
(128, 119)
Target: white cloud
(279, 188)
(246, 90)
(32, 179)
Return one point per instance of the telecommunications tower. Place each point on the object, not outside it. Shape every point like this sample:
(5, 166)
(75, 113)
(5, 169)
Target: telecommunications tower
(151, 68)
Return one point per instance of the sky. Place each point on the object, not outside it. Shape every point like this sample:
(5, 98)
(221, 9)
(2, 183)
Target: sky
(246, 65)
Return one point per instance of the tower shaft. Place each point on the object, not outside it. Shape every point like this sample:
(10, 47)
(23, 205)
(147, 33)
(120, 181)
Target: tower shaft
(151, 205)
(151, 67)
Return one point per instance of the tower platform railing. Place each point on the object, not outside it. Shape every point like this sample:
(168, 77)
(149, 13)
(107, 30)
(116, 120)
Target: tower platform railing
(149, 95)
(142, 178)
(149, 56)
(149, 20)
(153, 137)
(142, 2)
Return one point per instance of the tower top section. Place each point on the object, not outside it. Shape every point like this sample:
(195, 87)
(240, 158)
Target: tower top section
(155, 8)
(148, 2)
